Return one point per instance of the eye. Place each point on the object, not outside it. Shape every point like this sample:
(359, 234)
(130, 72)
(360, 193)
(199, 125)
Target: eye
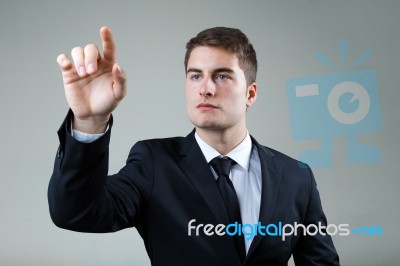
(195, 77)
(221, 77)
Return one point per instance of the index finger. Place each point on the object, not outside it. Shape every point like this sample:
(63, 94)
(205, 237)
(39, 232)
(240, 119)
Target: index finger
(108, 43)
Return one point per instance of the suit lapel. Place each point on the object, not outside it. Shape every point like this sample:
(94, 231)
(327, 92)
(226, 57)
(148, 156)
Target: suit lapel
(271, 172)
(195, 166)
(199, 173)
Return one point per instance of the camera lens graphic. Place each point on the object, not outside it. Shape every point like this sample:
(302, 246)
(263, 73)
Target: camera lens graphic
(358, 93)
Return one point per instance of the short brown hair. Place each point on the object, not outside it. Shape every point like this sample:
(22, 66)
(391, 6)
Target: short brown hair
(233, 41)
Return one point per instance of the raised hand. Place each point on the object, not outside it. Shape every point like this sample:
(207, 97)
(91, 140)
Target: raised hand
(94, 84)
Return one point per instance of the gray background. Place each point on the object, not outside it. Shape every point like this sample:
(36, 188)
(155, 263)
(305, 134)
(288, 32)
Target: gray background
(151, 36)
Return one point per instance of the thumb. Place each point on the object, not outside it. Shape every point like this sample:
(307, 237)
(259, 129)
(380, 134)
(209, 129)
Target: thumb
(119, 82)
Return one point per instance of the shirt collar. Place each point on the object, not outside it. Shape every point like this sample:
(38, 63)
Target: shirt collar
(241, 153)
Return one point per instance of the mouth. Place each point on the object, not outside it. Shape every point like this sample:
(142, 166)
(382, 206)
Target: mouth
(206, 106)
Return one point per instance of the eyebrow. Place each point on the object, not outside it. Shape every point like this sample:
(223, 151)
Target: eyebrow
(196, 70)
(217, 70)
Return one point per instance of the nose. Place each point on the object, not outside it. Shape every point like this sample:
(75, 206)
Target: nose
(207, 88)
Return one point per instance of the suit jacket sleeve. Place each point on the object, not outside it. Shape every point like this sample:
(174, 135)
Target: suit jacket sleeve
(81, 195)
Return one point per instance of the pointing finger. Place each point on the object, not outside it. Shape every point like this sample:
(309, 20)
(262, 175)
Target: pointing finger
(108, 43)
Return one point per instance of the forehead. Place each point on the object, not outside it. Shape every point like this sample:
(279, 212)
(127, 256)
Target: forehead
(205, 57)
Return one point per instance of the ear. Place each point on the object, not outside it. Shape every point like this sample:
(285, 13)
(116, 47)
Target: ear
(251, 94)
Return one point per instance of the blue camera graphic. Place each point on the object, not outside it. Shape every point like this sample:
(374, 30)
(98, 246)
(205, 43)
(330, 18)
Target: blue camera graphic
(339, 104)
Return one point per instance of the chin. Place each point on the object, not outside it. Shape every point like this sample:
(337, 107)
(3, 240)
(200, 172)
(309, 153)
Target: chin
(206, 123)
(209, 125)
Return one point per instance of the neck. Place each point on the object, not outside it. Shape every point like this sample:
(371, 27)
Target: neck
(222, 141)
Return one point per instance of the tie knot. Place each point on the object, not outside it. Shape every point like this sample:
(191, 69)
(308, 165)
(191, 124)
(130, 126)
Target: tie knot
(222, 165)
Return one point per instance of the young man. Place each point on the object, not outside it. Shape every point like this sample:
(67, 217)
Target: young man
(203, 199)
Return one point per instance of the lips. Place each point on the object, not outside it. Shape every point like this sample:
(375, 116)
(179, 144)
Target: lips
(205, 106)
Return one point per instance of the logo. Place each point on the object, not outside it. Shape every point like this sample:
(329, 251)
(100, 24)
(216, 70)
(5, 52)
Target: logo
(342, 104)
(249, 231)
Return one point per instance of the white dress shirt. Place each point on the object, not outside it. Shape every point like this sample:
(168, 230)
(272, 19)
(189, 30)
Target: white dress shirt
(245, 174)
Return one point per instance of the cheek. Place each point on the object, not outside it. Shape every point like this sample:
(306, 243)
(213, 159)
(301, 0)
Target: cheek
(238, 98)
(191, 89)
(189, 97)
(239, 105)
(188, 92)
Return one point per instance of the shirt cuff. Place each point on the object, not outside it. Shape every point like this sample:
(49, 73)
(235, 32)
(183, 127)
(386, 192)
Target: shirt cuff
(86, 137)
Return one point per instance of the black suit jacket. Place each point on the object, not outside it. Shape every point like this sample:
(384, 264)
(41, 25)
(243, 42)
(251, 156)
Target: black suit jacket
(165, 184)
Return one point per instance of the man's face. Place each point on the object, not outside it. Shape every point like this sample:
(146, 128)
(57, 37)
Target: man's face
(216, 92)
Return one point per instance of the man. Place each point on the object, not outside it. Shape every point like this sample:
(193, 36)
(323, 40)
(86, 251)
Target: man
(187, 196)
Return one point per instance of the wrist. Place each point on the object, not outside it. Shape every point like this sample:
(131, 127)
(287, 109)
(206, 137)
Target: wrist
(91, 125)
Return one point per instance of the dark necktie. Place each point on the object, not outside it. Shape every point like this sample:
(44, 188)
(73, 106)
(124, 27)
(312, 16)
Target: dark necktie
(222, 166)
